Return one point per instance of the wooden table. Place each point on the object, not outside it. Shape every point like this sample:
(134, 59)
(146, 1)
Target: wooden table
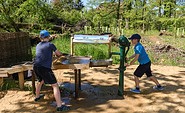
(77, 67)
(83, 63)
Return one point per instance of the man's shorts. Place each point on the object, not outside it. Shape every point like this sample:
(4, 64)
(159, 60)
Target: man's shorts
(143, 69)
(45, 74)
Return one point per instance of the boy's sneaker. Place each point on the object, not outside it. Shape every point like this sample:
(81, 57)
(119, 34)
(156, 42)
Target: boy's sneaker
(63, 108)
(158, 88)
(40, 97)
(134, 90)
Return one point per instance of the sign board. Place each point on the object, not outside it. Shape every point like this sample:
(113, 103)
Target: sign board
(91, 39)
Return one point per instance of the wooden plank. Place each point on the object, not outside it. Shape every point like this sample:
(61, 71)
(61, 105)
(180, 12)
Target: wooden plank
(78, 66)
(21, 80)
(15, 69)
(71, 66)
(27, 67)
(60, 66)
(3, 73)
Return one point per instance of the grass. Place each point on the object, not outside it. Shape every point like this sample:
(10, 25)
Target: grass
(10, 83)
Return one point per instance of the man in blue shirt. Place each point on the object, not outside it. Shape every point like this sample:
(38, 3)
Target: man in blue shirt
(42, 69)
(144, 64)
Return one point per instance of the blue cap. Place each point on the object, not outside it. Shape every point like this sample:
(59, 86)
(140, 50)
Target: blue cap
(44, 33)
(135, 36)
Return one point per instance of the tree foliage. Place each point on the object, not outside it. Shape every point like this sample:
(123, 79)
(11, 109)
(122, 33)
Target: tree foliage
(129, 14)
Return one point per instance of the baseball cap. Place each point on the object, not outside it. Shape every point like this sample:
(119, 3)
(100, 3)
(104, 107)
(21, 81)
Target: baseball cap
(135, 36)
(44, 33)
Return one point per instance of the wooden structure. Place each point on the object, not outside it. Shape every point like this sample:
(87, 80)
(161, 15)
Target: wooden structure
(6, 72)
(90, 39)
(75, 63)
(15, 48)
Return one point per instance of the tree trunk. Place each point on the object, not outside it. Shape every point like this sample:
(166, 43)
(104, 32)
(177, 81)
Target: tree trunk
(143, 18)
(118, 9)
(160, 5)
(126, 23)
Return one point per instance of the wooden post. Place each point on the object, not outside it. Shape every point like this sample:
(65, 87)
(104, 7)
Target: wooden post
(109, 50)
(183, 32)
(1, 81)
(76, 83)
(21, 80)
(178, 29)
(85, 27)
(79, 79)
(72, 46)
(90, 29)
(33, 82)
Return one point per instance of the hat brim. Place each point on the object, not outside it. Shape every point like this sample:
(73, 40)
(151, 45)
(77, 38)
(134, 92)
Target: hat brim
(44, 36)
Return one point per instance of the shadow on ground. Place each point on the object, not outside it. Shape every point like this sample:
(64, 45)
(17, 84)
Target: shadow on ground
(103, 96)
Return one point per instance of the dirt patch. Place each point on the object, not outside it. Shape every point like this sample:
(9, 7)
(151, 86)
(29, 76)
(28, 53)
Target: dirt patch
(163, 53)
(102, 96)
(155, 39)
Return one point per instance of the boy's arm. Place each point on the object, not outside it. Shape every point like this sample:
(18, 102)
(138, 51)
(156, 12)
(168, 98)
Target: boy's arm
(58, 53)
(131, 57)
(135, 59)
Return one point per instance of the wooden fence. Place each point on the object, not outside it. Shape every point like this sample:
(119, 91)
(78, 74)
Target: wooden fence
(14, 48)
(113, 30)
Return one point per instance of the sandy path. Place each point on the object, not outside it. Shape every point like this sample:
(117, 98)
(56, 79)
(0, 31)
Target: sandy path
(105, 99)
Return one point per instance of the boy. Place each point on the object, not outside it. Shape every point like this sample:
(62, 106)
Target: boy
(42, 68)
(144, 64)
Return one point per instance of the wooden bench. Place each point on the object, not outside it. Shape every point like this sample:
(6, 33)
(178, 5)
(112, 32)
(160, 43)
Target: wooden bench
(6, 72)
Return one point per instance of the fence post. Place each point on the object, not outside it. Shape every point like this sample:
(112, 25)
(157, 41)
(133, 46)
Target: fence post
(183, 32)
(178, 29)
(85, 29)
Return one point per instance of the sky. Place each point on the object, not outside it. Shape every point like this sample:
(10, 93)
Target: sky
(84, 2)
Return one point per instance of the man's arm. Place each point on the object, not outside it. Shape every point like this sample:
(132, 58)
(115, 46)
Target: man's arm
(135, 59)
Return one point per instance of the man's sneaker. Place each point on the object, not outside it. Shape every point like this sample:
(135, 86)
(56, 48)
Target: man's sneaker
(40, 97)
(158, 88)
(134, 90)
(63, 108)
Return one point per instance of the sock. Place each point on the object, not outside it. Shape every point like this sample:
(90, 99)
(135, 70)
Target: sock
(137, 88)
(159, 86)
